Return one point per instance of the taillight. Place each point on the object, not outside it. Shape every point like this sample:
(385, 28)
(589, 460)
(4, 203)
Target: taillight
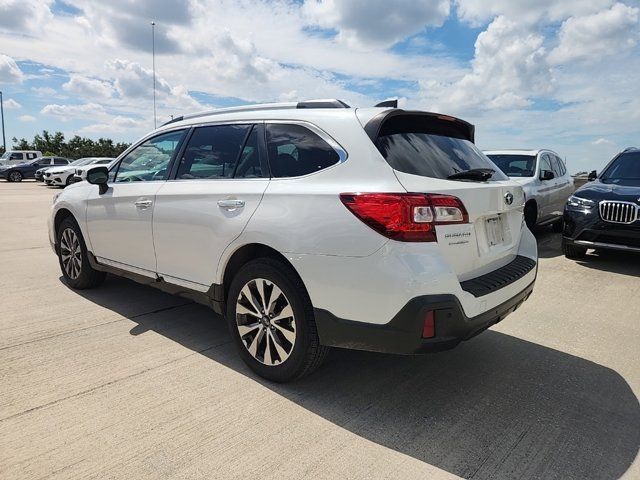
(406, 217)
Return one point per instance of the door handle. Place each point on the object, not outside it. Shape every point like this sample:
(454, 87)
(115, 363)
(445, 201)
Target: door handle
(230, 204)
(142, 204)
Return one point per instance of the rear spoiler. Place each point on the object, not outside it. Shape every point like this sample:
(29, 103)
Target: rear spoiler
(414, 121)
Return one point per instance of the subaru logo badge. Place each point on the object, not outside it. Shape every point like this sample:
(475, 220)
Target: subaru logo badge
(508, 198)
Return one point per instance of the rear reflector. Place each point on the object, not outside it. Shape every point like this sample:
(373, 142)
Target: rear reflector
(406, 217)
(429, 325)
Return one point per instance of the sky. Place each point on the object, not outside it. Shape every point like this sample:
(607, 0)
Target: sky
(552, 74)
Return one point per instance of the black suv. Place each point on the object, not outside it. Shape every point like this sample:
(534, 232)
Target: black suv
(605, 213)
(17, 173)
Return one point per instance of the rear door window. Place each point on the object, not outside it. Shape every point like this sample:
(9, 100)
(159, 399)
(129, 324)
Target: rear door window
(294, 150)
(434, 156)
(60, 161)
(212, 152)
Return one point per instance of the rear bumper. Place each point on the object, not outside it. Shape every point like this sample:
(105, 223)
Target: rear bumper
(403, 334)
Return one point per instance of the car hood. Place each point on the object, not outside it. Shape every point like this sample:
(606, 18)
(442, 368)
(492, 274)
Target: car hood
(608, 191)
(61, 169)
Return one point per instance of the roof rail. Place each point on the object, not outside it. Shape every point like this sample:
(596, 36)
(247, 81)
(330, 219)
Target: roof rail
(328, 103)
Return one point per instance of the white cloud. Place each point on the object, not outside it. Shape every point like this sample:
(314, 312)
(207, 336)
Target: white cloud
(135, 82)
(23, 16)
(11, 104)
(9, 70)
(88, 88)
(44, 91)
(27, 118)
(479, 12)
(591, 37)
(116, 124)
(74, 112)
(508, 68)
(602, 141)
(376, 22)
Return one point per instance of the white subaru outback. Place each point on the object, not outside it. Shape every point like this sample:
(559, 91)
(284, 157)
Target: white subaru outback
(307, 226)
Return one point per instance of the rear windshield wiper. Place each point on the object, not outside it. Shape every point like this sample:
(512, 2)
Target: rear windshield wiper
(479, 174)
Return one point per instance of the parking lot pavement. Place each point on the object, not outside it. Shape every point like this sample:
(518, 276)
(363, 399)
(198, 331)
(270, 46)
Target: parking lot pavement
(128, 382)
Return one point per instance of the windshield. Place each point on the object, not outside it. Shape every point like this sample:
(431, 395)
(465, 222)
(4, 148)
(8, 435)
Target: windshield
(5, 155)
(435, 156)
(82, 161)
(515, 165)
(625, 170)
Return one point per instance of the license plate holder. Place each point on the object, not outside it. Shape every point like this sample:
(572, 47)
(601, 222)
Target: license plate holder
(495, 231)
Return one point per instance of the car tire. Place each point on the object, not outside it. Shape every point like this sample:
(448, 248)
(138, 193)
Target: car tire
(573, 251)
(73, 257)
(68, 181)
(15, 177)
(558, 226)
(275, 345)
(530, 215)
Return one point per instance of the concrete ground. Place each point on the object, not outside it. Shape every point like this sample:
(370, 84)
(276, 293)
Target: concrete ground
(127, 382)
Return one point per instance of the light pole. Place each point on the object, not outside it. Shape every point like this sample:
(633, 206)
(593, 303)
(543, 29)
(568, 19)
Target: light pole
(4, 141)
(153, 55)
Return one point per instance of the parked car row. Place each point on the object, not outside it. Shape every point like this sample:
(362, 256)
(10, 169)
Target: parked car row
(17, 172)
(64, 175)
(55, 171)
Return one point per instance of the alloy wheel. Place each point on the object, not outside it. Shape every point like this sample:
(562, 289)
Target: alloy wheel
(15, 176)
(265, 322)
(71, 253)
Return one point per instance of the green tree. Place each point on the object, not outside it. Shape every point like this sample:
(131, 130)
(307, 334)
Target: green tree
(76, 147)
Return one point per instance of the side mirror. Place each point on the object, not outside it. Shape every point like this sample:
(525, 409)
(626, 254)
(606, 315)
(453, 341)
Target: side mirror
(99, 176)
(546, 175)
(592, 176)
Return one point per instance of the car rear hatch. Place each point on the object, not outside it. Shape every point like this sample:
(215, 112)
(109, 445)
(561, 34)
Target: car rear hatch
(425, 150)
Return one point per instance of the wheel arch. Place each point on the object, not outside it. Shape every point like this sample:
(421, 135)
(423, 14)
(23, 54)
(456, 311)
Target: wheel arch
(61, 215)
(244, 254)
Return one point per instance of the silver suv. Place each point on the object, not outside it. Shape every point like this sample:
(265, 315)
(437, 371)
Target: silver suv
(544, 178)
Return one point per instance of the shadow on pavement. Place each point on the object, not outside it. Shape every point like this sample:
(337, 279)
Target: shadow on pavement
(623, 263)
(495, 407)
(548, 242)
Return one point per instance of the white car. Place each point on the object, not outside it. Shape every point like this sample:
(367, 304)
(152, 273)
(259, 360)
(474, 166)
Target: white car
(547, 184)
(307, 226)
(63, 176)
(15, 157)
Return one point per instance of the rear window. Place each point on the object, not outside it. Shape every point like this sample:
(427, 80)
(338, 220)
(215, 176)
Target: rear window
(515, 165)
(295, 150)
(430, 155)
